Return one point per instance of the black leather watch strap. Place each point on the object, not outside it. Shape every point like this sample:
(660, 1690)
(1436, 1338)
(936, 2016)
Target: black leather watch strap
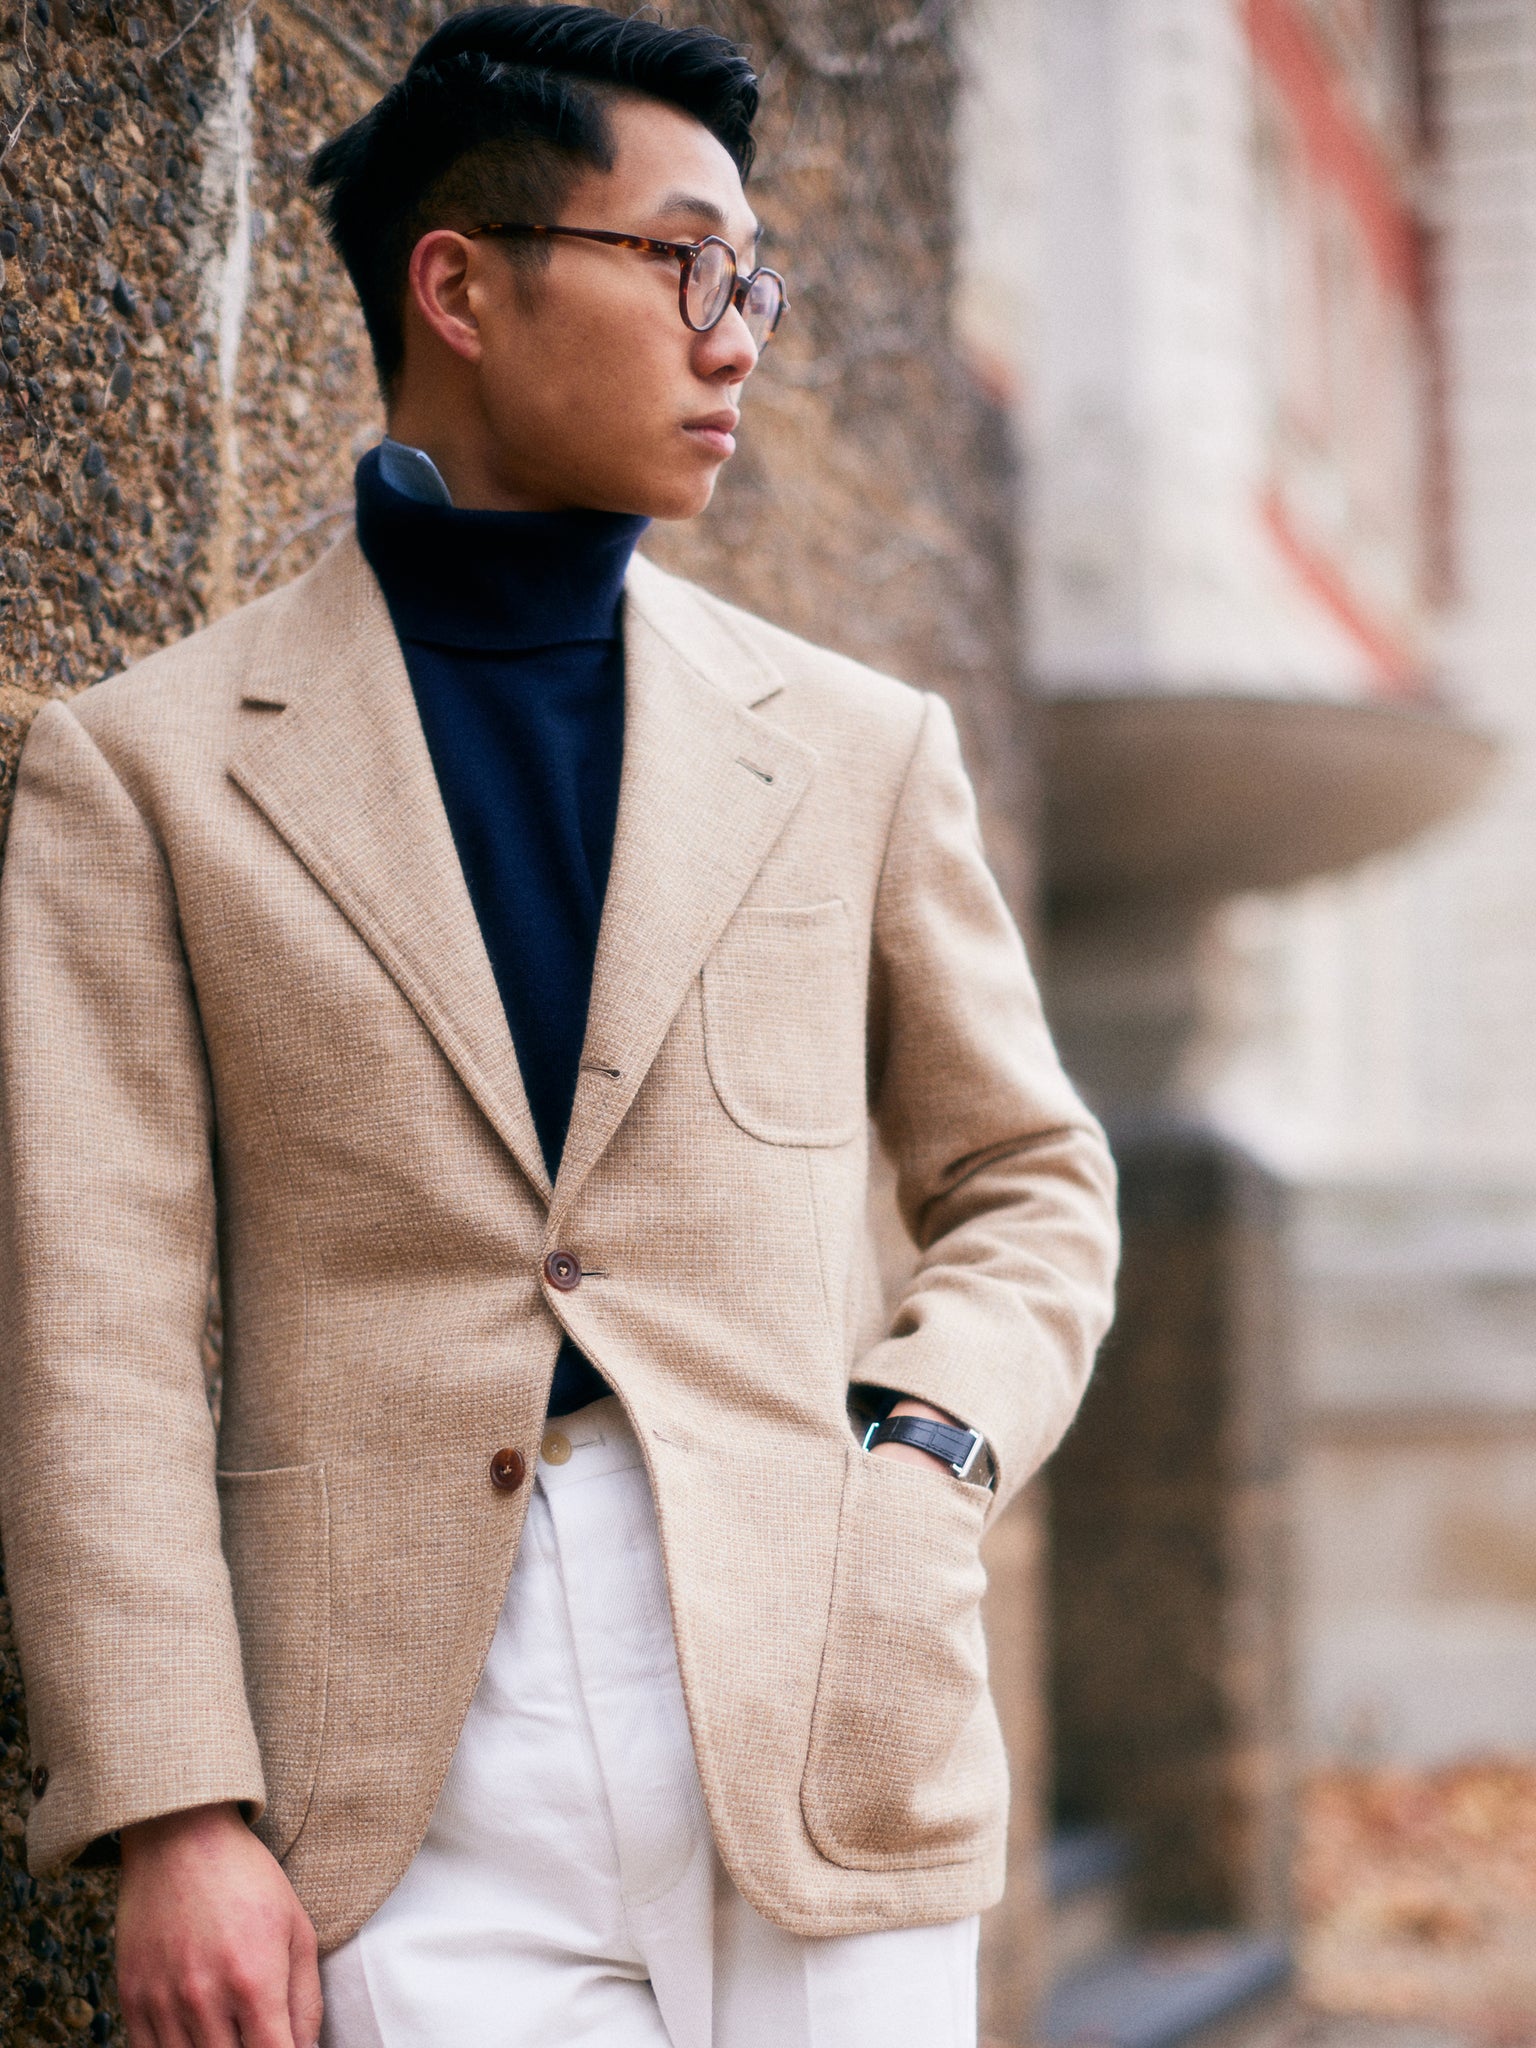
(961, 1449)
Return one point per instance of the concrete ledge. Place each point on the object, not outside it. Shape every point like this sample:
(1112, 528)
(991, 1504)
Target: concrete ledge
(1196, 796)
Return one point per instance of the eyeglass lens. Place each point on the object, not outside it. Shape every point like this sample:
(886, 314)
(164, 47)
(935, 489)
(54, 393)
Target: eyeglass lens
(765, 297)
(711, 282)
(709, 285)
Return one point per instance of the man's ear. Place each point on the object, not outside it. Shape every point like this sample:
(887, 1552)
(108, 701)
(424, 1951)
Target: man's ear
(446, 269)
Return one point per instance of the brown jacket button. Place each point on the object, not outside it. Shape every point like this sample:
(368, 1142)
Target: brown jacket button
(507, 1470)
(563, 1270)
(39, 1781)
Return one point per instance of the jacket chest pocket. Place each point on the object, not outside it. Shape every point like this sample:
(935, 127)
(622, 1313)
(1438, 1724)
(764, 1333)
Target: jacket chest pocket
(784, 1019)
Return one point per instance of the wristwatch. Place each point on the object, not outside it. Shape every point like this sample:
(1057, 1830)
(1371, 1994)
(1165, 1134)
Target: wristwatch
(961, 1449)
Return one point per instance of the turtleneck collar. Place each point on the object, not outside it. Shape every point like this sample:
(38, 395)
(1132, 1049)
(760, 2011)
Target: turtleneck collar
(493, 581)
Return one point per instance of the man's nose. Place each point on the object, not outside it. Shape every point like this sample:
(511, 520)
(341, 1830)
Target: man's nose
(728, 346)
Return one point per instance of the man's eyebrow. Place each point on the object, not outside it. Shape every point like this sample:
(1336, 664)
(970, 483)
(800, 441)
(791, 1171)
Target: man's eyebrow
(702, 209)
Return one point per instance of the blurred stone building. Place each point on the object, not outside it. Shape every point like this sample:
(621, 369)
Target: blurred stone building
(1382, 1046)
(1254, 281)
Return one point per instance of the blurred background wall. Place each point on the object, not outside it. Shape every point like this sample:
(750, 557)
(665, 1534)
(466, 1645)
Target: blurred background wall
(1255, 283)
(1384, 1050)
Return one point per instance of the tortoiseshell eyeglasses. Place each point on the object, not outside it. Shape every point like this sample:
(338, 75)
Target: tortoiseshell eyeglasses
(709, 283)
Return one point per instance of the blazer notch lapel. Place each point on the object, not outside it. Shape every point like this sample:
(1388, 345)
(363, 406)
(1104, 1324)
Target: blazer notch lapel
(707, 788)
(344, 777)
(699, 631)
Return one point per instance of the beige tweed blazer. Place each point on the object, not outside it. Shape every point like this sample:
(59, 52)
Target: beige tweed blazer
(246, 1015)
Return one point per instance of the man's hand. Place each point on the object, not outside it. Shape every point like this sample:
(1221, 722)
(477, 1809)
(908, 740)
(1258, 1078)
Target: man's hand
(213, 1948)
(909, 1453)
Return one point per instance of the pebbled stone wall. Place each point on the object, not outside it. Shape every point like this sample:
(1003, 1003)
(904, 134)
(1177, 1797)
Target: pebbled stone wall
(108, 496)
(105, 432)
(184, 389)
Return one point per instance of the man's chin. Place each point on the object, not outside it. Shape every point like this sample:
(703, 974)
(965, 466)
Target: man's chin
(685, 498)
(670, 492)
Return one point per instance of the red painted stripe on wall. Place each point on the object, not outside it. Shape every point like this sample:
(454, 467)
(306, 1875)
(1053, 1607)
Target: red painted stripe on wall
(1396, 672)
(1337, 137)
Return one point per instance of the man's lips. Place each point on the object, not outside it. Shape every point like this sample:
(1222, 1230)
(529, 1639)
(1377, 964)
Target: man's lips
(717, 430)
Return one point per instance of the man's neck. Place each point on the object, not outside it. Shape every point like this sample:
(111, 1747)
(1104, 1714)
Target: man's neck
(463, 466)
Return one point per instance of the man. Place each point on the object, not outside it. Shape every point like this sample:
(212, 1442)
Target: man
(496, 949)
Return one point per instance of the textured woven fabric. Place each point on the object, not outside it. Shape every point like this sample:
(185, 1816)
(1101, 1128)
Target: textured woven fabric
(568, 1890)
(244, 1001)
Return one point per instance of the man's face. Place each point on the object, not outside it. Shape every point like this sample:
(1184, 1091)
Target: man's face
(586, 387)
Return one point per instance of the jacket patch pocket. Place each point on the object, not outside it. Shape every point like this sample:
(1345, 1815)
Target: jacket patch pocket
(906, 1765)
(276, 1529)
(784, 1024)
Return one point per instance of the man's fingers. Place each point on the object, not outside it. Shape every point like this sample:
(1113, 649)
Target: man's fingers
(161, 2026)
(151, 2022)
(264, 2005)
(141, 2029)
(200, 2018)
(196, 2014)
(263, 2023)
(305, 2005)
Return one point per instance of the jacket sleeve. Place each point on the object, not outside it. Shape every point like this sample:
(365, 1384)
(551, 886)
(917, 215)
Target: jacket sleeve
(108, 1507)
(1003, 1178)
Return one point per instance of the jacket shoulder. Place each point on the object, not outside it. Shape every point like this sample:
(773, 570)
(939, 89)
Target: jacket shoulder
(194, 682)
(820, 685)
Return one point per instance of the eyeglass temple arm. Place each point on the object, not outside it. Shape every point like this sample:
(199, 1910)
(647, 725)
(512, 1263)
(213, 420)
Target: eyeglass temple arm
(609, 235)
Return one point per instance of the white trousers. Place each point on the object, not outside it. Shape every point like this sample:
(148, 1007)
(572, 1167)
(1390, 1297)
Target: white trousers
(568, 1890)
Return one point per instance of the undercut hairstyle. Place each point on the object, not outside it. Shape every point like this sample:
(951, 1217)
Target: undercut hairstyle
(500, 112)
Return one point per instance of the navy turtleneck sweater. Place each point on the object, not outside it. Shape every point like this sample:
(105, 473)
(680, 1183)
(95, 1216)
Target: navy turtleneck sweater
(509, 623)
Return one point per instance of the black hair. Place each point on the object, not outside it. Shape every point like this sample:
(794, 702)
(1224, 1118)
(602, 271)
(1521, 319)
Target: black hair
(500, 111)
